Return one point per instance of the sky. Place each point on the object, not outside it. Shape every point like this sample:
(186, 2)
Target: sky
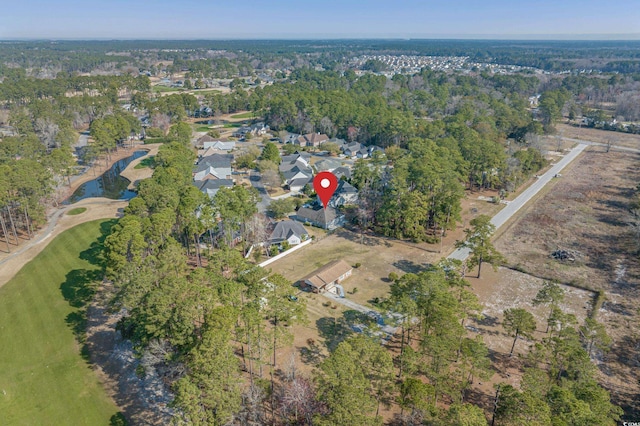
(306, 19)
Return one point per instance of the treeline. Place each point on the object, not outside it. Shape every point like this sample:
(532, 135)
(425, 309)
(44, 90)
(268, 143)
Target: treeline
(27, 171)
(19, 89)
(84, 56)
(373, 110)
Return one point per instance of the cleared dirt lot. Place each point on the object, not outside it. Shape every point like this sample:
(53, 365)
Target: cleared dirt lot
(587, 212)
(601, 136)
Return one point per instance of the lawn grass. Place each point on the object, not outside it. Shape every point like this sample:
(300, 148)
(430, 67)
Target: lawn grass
(243, 115)
(77, 210)
(147, 162)
(159, 89)
(203, 129)
(45, 377)
(231, 125)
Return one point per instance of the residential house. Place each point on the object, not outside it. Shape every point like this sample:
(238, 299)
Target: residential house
(290, 231)
(328, 164)
(211, 186)
(216, 166)
(291, 138)
(374, 148)
(296, 171)
(312, 139)
(327, 218)
(355, 150)
(345, 194)
(340, 142)
(327, 277)
(341, 172)
(220, 145)
(241, 132)
(205, 139)
(259, 129)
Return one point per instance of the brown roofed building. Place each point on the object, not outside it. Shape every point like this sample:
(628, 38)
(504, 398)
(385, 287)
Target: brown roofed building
(312, 139)
(326, 278)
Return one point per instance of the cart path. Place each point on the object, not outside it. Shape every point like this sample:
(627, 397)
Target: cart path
(97, 208)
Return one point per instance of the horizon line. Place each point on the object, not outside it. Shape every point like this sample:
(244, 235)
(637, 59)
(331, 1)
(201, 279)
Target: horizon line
(434, 37)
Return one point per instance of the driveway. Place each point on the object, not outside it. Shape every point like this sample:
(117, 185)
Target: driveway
(256, 182)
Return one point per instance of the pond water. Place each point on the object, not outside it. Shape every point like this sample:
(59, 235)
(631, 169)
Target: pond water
(109, 185)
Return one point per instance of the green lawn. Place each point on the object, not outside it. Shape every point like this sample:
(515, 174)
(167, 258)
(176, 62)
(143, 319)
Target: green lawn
(243, 115)
(158, 89)
(147, 162)
(77, 210)
(45, 378)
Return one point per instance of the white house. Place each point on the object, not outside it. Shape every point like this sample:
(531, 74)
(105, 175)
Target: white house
(289, 231)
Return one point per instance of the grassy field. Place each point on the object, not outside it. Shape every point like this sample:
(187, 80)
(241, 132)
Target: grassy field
(45, 377)
(243, 115)
(147, 162)
(161, 89)
(76, 211)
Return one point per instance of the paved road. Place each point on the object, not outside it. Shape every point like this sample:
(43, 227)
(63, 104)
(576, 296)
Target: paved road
(505, 214)
(256, 182)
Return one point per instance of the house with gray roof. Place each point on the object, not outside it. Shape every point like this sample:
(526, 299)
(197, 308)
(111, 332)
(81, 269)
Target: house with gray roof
(345, 194)
(327, 218)
(341, 172)
(328, 164)
(338, 141)
(288, 230)
(211, 186)
(216, 166)
(220, 145)
(353, 149)
(296, 171)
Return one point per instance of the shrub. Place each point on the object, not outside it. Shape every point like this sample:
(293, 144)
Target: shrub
(357, 265)
(597, 304)
(355, 290)
(140, 371)
(393, 276)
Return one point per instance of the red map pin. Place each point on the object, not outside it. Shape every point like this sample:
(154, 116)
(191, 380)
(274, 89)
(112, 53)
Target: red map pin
(325, 184)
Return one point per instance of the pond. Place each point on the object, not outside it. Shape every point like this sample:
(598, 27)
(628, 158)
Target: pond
(109, 185)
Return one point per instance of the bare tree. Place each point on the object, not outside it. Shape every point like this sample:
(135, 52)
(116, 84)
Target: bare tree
(272, 179)
(298, 401)
(327, 127)
(256, 229)
(47, 131)
(252, 413)
(161, 121)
